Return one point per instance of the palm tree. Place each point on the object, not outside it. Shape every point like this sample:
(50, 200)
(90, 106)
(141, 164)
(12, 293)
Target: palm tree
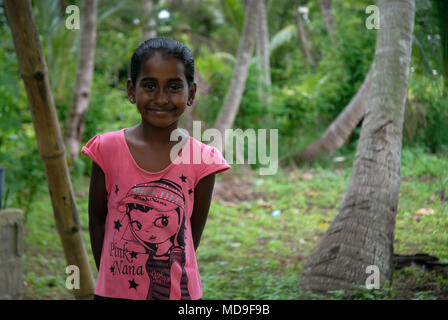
(325, 8)
(74, 127)
(149, 29)
(340, 129)
(362, 233)
(263, 55)
(304, 38)
(231, 104)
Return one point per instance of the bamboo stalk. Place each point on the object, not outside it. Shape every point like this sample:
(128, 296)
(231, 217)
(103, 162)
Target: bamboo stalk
(34, 73)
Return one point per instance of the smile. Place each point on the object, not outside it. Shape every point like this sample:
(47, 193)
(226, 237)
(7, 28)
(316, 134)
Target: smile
(160, 110)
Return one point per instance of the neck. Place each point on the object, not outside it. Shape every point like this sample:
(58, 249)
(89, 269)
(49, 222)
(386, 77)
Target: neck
(156, 136)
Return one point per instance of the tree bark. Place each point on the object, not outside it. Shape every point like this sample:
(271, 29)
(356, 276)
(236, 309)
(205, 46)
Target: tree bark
(34, 73)
(149, 29)
(74, 125)
(231, 104)
(325, 7)
(340, 129)
(263, 55)
(362, 233)
(304, 39)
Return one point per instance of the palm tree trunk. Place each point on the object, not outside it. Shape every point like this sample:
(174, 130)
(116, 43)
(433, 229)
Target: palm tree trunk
(325, 7)
(149, 29)
(340, 129)
(362, 233)
(304, 39)
(74, 127)
(263, 55)
(231, 104)
(34, 73)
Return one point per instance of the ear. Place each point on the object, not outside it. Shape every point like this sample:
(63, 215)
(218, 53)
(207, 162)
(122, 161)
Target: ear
(131, 91)
(191, 94)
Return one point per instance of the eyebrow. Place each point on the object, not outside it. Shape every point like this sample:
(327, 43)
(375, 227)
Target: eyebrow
(154, 79)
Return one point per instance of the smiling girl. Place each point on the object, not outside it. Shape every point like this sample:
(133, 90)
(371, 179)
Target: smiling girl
(149, 209)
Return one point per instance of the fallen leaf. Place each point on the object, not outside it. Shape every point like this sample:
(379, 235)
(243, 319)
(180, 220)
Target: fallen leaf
(264, 204)
(307, 176)
(227, 203)
(425, 211)
(310, 193)
(338, 172)
(292, 175)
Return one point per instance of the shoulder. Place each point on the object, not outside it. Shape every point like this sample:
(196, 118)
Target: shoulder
(110, 141)
(208, 154)
(100, 146)
(111, 136)
(205, 148)
(211, 159)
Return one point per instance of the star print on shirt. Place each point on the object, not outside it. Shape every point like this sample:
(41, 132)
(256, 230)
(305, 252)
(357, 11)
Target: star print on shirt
(133, 284)
(183, 178)
(190, 191)
(117, 225)
(133, 254)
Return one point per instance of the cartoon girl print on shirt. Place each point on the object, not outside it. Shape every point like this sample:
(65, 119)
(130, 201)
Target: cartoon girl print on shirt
(155, 217)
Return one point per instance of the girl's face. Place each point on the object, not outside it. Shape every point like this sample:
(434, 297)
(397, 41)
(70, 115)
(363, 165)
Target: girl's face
(154, 226)
(161, 91)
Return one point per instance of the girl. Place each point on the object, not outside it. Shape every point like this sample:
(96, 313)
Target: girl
(147, 212)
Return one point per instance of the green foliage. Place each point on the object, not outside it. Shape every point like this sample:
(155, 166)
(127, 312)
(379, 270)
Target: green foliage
(217, 70)
(304, 99)
(362, 293)
(426, 114)
(18, 149)
(244, 241)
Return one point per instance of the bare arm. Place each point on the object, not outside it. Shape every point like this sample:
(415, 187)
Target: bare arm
(97, 211)
(202, 199)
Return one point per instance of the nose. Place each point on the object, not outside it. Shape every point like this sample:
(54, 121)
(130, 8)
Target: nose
(161, 97)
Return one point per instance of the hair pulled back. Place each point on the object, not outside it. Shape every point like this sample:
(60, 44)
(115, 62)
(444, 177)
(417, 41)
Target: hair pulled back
(166, 47)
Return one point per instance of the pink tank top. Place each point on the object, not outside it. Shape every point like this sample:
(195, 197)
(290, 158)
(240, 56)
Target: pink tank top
(148, 250)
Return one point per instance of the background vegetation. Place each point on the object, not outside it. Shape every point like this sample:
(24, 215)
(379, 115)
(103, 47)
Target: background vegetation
(247, 253)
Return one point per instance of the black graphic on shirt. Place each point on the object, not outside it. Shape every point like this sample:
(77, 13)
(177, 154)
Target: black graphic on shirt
(153, 225)
(133, 284)
(117, 224)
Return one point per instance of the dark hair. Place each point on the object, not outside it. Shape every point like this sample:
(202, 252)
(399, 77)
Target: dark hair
(167, 47)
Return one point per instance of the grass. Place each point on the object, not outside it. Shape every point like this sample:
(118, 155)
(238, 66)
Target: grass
(248, 253)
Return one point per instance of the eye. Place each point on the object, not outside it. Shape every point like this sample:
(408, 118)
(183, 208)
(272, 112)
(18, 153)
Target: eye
(175, 87)
(149, 86)
(161, 221)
